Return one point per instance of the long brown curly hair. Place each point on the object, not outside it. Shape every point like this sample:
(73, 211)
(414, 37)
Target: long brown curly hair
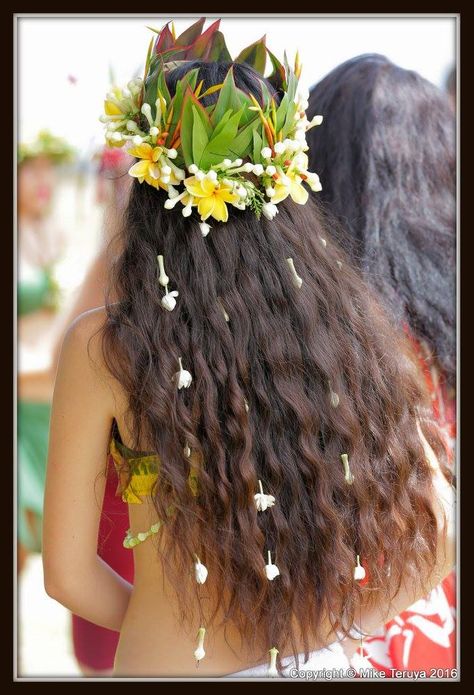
(260, 408)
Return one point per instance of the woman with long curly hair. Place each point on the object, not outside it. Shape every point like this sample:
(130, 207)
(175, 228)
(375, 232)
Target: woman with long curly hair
(272, 437)
(387, 158)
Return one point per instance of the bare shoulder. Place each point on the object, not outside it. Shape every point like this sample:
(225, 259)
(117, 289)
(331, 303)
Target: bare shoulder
(82, 346)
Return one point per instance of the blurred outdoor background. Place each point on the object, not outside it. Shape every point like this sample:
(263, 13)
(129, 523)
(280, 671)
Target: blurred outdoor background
(65, 66)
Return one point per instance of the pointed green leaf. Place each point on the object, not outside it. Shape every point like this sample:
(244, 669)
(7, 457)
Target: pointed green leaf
(191, 33)
(241, 142)
(219, 52)
(219, 145)
(254, 55)
(257, 147)
(200, 139)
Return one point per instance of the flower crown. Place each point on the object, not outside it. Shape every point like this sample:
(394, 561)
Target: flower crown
(200, 155)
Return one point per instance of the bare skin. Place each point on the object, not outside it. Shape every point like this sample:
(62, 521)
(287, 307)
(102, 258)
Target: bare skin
(152, 643)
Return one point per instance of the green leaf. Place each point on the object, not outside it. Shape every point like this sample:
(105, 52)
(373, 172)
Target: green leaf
(254, 55)
(219, 52)
(220, 145)
(200, 138)
(241, 142)
(192, 109)
(226, 98)
(222, 123)
(278, 77)
(257, 147)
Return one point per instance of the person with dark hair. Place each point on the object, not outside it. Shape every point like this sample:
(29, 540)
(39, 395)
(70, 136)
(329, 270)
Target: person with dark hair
(286, 482)
(386, 157)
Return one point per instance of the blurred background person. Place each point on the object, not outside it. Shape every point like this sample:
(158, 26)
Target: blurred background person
(386, 157)
(95, 646)
(40, 246)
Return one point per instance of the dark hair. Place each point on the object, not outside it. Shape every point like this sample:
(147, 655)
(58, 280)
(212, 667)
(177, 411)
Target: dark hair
(283, 351)
(386, 157)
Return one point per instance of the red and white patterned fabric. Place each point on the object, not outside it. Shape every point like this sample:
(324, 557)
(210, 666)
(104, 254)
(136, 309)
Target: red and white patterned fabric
(424, 636)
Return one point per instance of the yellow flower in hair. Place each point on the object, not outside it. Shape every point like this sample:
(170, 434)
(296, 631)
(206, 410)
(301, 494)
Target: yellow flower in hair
(212, 196)
(147, 168)
(289, 184)
(111, 108)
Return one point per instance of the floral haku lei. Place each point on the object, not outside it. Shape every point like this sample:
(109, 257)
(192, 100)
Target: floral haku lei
(203, 156)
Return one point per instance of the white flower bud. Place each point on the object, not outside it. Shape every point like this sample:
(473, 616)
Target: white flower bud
(270, 170)
(266, 153)
(169, 204)
(166, 170)
(172, 153)
(279, 147)
(154, 131)
(270, 192)
(146, 111)
(226, 163)
(186, 211)
(249, 167)
(172, 192)
(211, 175)
(205, 228)
(199, 175)
(168, 302)
(183, 378)
(200, 572)
(258, 170)
(269, 210)
(316, 120)
(237, 162)
(192, 168)
(132, 126)
(137, 140)
(165, 179)
(271, 570)
(116, 137)
(359, 571)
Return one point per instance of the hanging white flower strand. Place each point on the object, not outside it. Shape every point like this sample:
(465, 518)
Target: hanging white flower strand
(183, 377)
(199, 652)
(263, 501)
(200, 571)
(271, 570)
(168, 301)
(349, 478)
(359, 571)
(297, 281)
(272, 669)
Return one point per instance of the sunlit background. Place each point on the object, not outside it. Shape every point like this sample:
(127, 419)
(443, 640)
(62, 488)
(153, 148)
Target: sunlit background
(65, 67)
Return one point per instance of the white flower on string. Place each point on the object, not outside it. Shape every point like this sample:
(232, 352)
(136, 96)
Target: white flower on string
(349, 478)
(263, 501)
(297, 281)
(359, 571)
(224, 312)
(168, 301)
(187, 451)
(333, 396)
(163, 279)
(205, 228)
(271, 570)
(272, 669)
(200, 571)
(183, 377)
(199, 652)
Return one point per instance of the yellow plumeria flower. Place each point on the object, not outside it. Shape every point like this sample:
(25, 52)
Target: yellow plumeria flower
(147, 168)
(289, 185)
(110, 108)
(212, 197)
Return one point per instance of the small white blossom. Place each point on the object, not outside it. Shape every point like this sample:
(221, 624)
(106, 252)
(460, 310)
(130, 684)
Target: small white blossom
(172, 153)
(199, 652)
(137, 140)
(154, 131)
(248, 167)
(193, 169)
(279, 147)
(271, 570)
(262, 501)
(272, 669)
(258, 169)
(205, 228)
(183, 377)
(270, 170)
(168, 302)
(269, 210)
(359, 571)
(187, 210)
(266, 153)
(270, 192)
(200, 571)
